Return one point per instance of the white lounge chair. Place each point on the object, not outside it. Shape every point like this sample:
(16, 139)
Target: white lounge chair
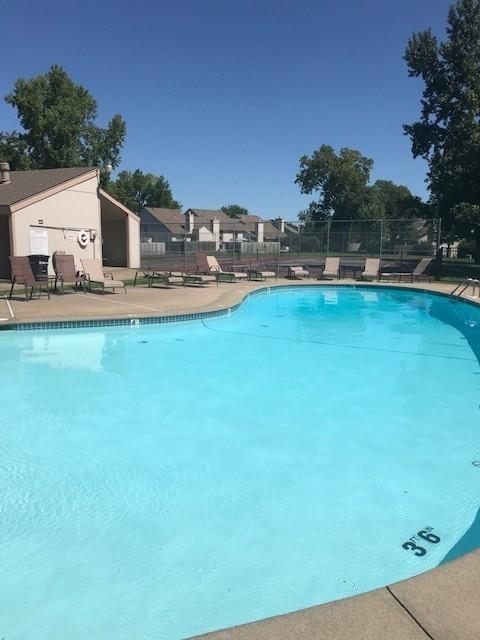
(332, 268)
(94, 273)
(229, 276)
(259, 272)
(297, 272)
(371, 269)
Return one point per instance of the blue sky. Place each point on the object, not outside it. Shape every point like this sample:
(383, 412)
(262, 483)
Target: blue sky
(223, 97)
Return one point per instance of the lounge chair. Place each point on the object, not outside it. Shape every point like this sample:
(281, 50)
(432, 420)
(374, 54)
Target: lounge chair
(143, 273)
(225, 276)
(419, 271)
(259, 272)
(198, 279)
(65, 271)
(416, 274)
(94, 273)
(297, 272)
(165, 278)
(332, 268)
(22, 274)
(371, 269)
(395, 275)
(209, 265)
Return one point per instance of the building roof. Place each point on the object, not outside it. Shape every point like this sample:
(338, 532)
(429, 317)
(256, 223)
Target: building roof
(172, 219)
(163, 213)
(247, 218)
(25, 184)
(207, 215)
(271, 232)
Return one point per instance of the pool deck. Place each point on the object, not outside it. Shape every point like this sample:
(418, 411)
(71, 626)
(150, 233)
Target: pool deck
(443, 604)
(142, 301)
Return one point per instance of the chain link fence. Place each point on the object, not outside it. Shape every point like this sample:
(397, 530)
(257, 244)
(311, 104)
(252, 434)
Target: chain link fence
(173, 246)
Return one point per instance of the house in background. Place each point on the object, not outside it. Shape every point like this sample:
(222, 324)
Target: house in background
(206, 225)
(47, 210)
(158, 224)
(163, 230)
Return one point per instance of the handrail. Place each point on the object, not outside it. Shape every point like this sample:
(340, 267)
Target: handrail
(464, 285)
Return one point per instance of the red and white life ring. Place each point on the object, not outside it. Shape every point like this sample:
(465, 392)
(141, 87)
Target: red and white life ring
(83, 238)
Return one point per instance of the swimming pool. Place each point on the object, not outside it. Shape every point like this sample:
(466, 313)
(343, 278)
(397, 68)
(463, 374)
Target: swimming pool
(162, 481)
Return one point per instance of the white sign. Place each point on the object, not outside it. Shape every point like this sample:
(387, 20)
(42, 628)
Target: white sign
(39, 241)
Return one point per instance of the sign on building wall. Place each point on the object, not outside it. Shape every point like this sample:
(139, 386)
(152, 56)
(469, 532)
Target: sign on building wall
(39, 241)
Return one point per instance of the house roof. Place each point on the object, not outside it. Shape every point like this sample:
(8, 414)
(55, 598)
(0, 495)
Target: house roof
(271, 232)
(206, 215)
(162, 213)
(172, 219)
(25, 184)
(247, 218)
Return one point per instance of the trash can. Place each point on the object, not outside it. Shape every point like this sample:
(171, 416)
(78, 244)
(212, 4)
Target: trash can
(39, 265)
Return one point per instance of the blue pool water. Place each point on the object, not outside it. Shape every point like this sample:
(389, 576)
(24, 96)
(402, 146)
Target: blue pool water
(163, 481)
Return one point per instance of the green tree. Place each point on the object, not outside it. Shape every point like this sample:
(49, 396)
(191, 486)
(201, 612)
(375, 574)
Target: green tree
(447, 134)
(234, 210)
(397, 201)
(58, 126)
(340, 182)
(136, 190)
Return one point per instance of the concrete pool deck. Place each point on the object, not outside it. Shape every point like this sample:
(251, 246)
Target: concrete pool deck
(142, 301)
(442, 604)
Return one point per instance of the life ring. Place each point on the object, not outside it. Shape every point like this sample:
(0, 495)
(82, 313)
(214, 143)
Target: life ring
(83, 238)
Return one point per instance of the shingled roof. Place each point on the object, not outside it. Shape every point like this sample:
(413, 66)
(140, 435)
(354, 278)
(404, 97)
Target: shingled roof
(25, 184)
(207, 215)
(163, 213)
(171, 219)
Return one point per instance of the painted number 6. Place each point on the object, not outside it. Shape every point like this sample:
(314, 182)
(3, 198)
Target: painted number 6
(429, 537)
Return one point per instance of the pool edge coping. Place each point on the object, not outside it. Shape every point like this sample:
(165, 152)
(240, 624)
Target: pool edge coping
(135, 320)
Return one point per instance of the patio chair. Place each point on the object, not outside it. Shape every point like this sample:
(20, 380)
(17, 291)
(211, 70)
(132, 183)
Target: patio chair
(143, 273)
(209, 265)
(371, 269)
(260, 272)
(419, 271)
(297, 272)
(395, 275)
(332, 268)
(94, 273)
(22, 274)
(65, 271)
(416, 274)
(165, 278)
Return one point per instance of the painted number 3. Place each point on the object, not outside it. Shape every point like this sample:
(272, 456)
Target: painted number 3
(418, 551)
(428, 536)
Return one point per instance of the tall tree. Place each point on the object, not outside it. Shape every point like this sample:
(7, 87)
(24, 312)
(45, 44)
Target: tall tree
(397, 201)
(234, 210)
(447, 134)
(58, 126)
(340, 182)
(136, 190)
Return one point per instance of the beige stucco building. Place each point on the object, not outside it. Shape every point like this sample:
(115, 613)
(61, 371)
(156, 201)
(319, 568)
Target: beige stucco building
(50, 210)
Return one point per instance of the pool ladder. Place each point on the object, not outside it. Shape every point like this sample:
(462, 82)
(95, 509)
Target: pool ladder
(463, 286)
